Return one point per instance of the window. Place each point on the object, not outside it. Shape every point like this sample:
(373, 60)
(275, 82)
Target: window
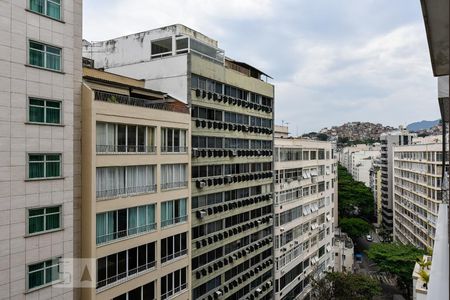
(44, 56)
(173, 247)
(162, 47)
(43, 273)
(173, 140)
(173, 212)
(120, 181)
(173, 283)
(124, 138)
(44, 219)
(119, 266)
(44, 166)
(173, 176)
(44, 111)
(125, 222)
(51, 8)
(145, 292)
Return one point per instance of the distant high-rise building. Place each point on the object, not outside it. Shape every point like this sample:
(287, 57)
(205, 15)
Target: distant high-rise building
(388, 142)
(305, 198)
(232, 139)
(40, 83)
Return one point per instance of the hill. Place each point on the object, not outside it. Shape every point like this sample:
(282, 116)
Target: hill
(422, 125)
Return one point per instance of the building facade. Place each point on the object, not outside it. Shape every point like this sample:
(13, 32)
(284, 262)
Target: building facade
(417, 193)
(232, 139)
(304, 214)
(343, 253)
(136, 192)
(375, 186)
(40, 83)
(361, 163)
(388, 142)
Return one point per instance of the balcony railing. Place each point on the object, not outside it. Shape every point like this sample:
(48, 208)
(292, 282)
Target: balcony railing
(173, 256)
(176, 220)
(102, 239)
(174, 291)
(174, 149)
(174, 185)
(125, 276)
(141, 102)
(126, 191)
(125, 149)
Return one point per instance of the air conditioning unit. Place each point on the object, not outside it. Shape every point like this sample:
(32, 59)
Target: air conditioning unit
(281, 229)
(217, 294)
(202, 184)
(201, 214)
(258, 290)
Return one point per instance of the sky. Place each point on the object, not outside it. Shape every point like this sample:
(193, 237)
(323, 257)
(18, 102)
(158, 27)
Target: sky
(331, 61)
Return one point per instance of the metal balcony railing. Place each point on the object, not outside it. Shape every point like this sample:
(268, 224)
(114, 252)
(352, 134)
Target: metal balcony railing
(174, 149)
(174, 185)
(141, 102)
(173, 255)
(125, 276)
(125, 149)
(174, 291)
(172, 221)
(126, 191)
(102, 239)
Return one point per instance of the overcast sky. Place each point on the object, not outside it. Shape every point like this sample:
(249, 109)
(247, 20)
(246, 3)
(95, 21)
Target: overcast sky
(332, 61)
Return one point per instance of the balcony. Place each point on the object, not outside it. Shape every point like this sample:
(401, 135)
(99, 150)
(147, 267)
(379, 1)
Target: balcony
(174, 185)
(123, 234)
(125, 276)
(173, 256)
(174, 149)
(128, 191)
(125, 149)
(173, 221)
(141, 102)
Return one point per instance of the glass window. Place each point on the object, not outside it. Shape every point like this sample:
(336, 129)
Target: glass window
(182, 45)
(43, 273)
(51, 8)
(44, 111)
(162, 47)
(173, 140)
(45, 56)
(44, 165)
(44, 219)
(173, 212)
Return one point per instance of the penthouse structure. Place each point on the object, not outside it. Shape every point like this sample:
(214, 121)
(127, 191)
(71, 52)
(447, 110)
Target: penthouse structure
(136, 189)
(305, 197)
(232, 139)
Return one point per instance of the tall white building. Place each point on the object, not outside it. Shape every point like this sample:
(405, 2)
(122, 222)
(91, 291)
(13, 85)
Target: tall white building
(388, 141)
(361, 163)
(305, 197)
(417, 172)
(40, 84)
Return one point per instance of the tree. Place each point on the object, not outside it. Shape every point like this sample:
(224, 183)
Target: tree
(343, 286)
(396, 259)
(322, 137)
(354, 227)
(353, 194)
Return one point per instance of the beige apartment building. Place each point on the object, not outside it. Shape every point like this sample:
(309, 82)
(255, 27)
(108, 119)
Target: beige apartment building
(136, 189)
(417, 172)
(40, 84)
(305, 199)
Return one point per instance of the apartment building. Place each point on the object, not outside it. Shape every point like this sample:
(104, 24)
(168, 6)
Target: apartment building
(136, 189)
(361, 163)
(417, 193)
(388, 141)
(375, 186)
(304, 214)
(343, 252)
(232, 139)
(40, 84)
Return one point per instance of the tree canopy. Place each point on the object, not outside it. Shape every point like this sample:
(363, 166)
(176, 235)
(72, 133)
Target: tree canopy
(354, 227)
(343, 286)
(354, 194)
(396, 259)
